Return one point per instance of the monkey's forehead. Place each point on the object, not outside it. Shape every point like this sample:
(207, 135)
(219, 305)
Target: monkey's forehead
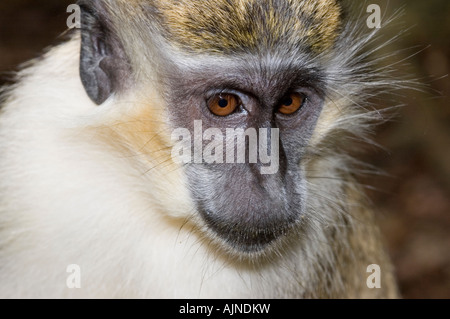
(230, 25)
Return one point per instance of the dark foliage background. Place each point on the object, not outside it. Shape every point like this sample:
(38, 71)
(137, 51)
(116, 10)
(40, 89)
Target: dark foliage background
(413, 201)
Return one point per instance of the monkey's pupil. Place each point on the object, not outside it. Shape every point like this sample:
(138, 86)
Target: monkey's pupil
(223, 103)
(288, 101)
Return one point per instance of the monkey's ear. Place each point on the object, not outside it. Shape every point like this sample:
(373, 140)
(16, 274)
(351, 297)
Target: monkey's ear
(103, 65)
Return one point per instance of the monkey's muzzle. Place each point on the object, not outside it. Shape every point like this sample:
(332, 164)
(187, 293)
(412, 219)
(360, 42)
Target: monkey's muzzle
(248, 211)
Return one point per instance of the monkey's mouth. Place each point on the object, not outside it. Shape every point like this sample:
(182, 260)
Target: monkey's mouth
(248, 235)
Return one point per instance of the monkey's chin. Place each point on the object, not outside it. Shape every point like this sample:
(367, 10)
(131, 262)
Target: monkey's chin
(247, 239)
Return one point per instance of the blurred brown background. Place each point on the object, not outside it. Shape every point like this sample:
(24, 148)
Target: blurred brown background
(414, 200)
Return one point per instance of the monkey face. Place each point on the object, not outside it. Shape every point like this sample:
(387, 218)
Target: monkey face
(250, 72)
(249, 195)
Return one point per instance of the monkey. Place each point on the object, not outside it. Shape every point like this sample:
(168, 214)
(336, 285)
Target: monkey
(88, 175)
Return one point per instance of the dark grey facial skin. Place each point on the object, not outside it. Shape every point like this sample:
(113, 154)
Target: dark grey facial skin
(248, 210)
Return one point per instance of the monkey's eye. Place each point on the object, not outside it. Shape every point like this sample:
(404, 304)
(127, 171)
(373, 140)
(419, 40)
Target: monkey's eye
(224, 104)
(291, 103)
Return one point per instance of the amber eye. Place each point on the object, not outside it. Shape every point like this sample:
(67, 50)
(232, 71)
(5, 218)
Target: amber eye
(291, 103)
(224, 104)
